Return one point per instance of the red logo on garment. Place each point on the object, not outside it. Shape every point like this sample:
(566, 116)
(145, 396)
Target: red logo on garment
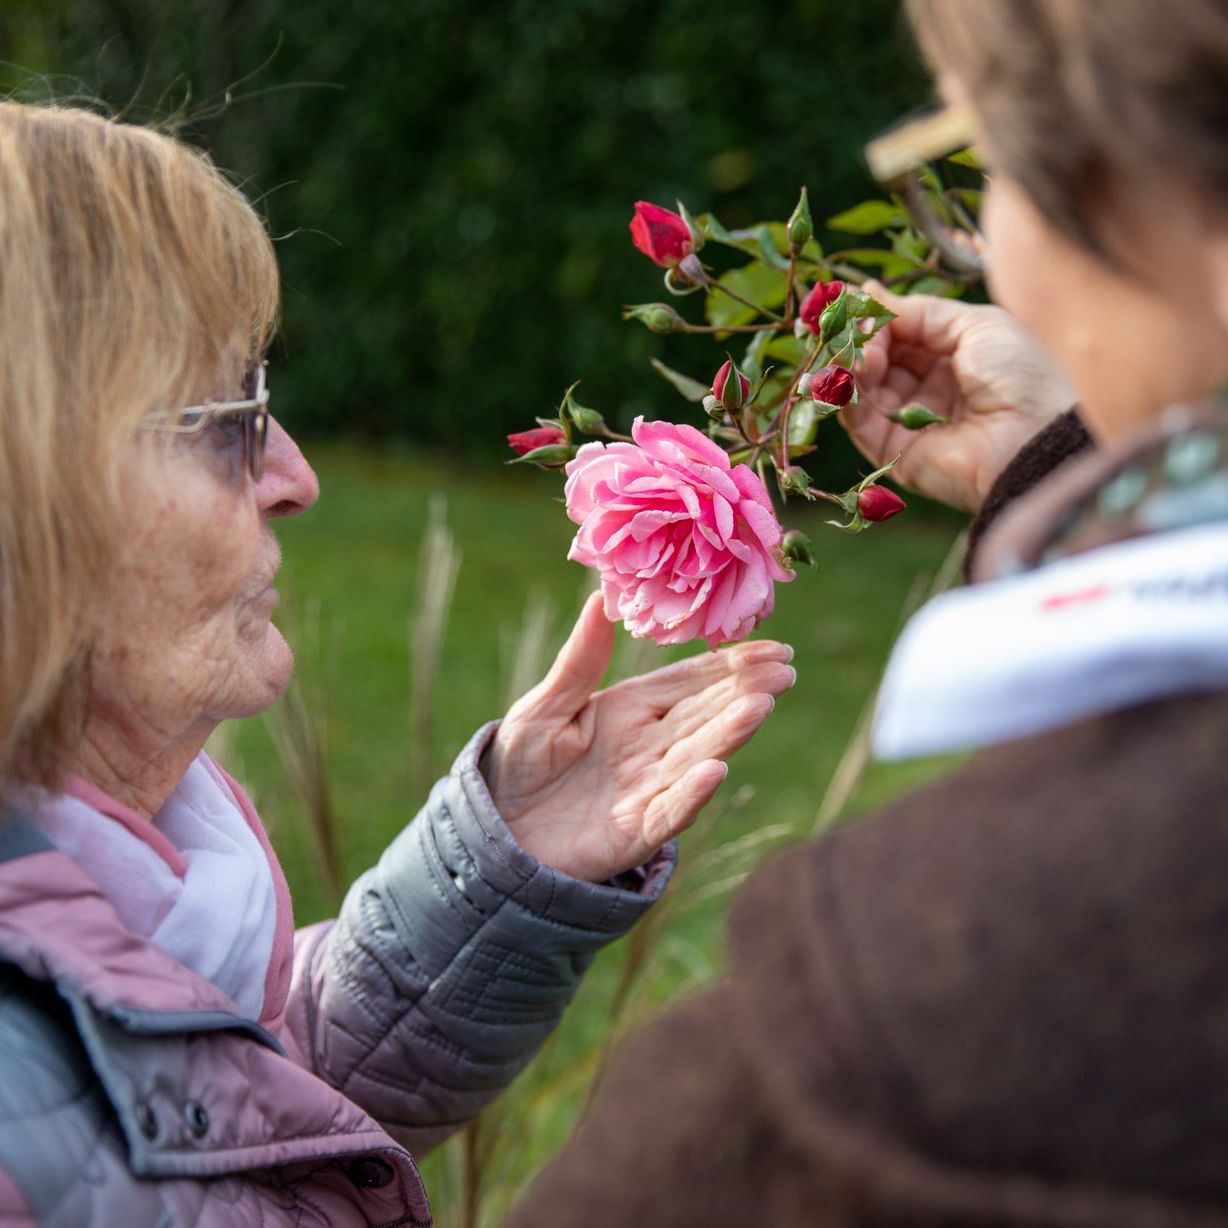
(1079, 596)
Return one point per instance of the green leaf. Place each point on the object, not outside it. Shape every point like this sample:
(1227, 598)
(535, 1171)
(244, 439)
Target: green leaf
(869, 217)
(739, 240)
(970, 198)
(766, 241)
(967, 157)
(909, 245)
(552, 422)
(773, 243)
(861, 305)
(871, 478)
(844, 348)
(752, 360)
(690, 388)
(859, 524)
(873, 256)
(803, 423)
(929, 285)
(550, 454)
(713, 230)
(761, 283)
(788, 349)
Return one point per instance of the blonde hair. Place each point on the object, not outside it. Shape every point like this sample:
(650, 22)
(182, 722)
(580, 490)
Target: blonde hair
(130, 269)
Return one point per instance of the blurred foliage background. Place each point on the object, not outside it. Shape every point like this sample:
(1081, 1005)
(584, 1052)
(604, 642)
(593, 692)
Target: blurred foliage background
(451, 184)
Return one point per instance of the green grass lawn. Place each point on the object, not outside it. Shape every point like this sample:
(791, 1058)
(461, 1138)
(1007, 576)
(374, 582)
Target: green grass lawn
(349, 588)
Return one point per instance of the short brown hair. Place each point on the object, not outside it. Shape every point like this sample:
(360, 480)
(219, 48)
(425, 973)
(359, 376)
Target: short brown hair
(130, 270)
(1069, 91)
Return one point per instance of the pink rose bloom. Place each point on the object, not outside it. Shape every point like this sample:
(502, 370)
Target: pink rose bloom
(687, 545)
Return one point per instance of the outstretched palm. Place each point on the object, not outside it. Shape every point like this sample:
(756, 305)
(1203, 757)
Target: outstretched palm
(593, 784)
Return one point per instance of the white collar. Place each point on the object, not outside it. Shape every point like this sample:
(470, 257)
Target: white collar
(1084, 635)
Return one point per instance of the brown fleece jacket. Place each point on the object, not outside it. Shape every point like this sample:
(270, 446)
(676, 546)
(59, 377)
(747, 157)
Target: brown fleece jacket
(1001, 1001)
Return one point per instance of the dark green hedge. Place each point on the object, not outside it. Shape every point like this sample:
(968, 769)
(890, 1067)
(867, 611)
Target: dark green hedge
(451, 183)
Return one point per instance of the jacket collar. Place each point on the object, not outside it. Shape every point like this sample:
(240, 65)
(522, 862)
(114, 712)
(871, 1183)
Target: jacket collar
(1172, 477)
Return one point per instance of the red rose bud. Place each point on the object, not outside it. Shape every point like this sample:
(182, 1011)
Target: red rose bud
(832, 386)
(662, 235)
(879, 503)
(540, 437)
(730, 387)
(817, 301)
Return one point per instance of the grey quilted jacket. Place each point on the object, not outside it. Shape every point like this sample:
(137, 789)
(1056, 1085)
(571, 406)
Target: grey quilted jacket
(132, 1094)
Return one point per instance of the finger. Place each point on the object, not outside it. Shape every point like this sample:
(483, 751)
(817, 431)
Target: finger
(717, 738)
(582, 661)
(663, 688)
(768, 678)
(677, 807)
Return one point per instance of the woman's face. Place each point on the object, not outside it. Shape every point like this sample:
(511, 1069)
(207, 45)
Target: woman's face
(187, 638)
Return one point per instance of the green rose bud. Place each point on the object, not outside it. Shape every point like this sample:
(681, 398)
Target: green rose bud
(800, 224)
(587, 421)
(658, 318)
(796, 546)
(794, 481)
(835, 316)
(914, 417)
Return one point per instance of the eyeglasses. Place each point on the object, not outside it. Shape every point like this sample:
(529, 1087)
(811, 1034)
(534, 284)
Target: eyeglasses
(910, 158)
(249, 416)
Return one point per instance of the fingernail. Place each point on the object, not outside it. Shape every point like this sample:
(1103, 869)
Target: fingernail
(792, 675)
(789, 650)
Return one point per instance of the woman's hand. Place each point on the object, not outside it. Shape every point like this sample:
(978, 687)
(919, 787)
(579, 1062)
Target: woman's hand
(973, 365)
(594, 784)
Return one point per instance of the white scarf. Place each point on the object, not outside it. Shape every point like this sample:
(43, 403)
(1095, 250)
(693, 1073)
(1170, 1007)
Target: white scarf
(1089, 634)
(218, 916)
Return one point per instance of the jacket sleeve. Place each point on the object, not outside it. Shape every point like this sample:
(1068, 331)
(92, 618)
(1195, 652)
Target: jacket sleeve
(451, 961)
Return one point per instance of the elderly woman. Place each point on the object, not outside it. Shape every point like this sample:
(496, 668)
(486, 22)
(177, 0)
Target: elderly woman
(1004, 1000)
(171, 1051)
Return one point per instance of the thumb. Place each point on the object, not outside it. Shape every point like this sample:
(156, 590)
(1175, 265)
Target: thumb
(582, 661)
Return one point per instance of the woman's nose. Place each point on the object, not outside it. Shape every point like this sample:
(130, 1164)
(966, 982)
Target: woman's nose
(289, 484)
